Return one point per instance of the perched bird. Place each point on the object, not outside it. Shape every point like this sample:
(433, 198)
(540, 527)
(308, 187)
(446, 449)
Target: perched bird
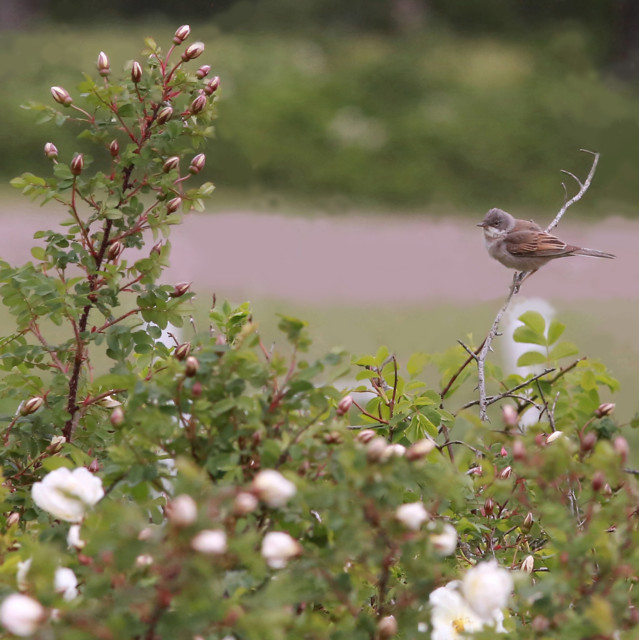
(523, 245)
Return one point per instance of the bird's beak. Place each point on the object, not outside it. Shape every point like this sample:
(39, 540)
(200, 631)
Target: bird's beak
(481, 224)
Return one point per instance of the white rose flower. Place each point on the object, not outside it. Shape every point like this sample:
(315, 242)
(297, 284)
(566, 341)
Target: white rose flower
(73, 537)
(487, 588)
(412, 515)
(182, 510)
(445, 542)
(21, 574)
(21, 615)
(278, 548)
(210, 541)
(144, 560)
(273, 488)
(451, 616)
(67, 495)
(65, 583)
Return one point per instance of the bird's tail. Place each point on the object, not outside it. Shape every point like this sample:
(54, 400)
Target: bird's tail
(593, 252)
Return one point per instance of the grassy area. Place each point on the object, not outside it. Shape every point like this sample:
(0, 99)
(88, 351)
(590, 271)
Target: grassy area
(433, 119)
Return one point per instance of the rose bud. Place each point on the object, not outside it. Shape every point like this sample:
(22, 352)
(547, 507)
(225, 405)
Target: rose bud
(94, 467)
(506, 472)
(519, 450)
(114, 251)
(244, 503)
(171, 163)
(31, 406)
(191, 366)
(157, 248)
(203, 71)
(420, 449)
(333, 437)
(180, 289)
(607, 490)
(620, 445)
(193, 51)
(528, 564)
(117, 417)
(61, 96)
(387, 627)
(77, 164)
(104, 67)
(554, 436)
(527, 524)
(198, 104)
(181, 34)
(182, 510)
(50, 151)
(365, 436)
(376, 450)
(588, 442)
(136, 72)
(114, 148)
(605, 409)
(164, 115)
(598, 481)
(489, 506)
(509, 415)
(197, 164)
(344, 405)
(12, 519)
(56, 444)
(174, 204)
(212, 86)
(182, 351)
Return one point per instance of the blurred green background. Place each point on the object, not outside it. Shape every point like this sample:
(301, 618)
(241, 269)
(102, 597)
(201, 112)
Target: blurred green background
(418, 104)
(418, 107)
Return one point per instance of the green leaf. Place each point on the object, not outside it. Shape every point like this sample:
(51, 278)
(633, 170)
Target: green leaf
(38, 253)
(555, 331)
(563, 350)
(531, 358)
(528, 336)
(416, 363)
(534, 320)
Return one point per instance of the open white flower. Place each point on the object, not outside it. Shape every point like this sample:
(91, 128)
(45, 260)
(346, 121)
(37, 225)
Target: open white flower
(67, 495)
(73, 537)
(445, 542)
(452, 617)
(412, 515)
(182, 510)
(278, 548)
(273, 488)
(487, 587)
(210, 541)
(21, 615)
(65, 583)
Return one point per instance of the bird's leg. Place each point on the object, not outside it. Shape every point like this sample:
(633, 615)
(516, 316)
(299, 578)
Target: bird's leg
(521, 277)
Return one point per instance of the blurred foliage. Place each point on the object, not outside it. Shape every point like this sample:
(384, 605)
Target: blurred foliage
(423, 118)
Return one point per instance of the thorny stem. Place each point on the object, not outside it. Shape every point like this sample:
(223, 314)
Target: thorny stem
(514, 287)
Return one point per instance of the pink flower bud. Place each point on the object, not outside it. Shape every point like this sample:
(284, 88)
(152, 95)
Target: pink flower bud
(174, 204)
(598, 481)
(376, 450)
(489, 506)
(620, 445)
(203, 71)
(164, 115)
(244, 503)
(505, 473)
(420, 449)
(605, 409)
(136, 72)
(181, 34)
(31, 406)
(114, 148)
(104, 67)
(114, 250)
(555, 435)
(56, 444)
(588, 442)
(94, 466)
(117, 417)
(157, 247)
(528, 564)
(193, 51)
(77, 164)
(344, 405)
(519, 450)
(12, 519)
(212, 86)
(198, 104)
(527, 524)
(191, 366)
(509, 415)
(365, 436)
(50, 151)
(180, 289)
(171, 163)
(182, 511)
(197, 164)
(182, 351)
(387, 627)
(61, 96)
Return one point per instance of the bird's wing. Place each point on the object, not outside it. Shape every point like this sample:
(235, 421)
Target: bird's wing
(528, 243)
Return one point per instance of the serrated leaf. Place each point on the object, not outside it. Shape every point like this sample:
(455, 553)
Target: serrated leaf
(528, 336)
(531, 358)
(563, 350)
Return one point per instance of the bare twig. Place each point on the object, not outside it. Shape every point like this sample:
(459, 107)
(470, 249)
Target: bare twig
(518, 279)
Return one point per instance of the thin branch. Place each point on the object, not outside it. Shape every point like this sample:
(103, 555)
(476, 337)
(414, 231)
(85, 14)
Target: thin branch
(517, 280)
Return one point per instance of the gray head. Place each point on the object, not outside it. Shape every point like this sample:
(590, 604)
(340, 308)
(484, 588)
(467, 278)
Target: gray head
(497, 219)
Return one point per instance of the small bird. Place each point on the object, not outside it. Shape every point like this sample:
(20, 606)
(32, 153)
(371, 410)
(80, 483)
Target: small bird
(523, 245)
